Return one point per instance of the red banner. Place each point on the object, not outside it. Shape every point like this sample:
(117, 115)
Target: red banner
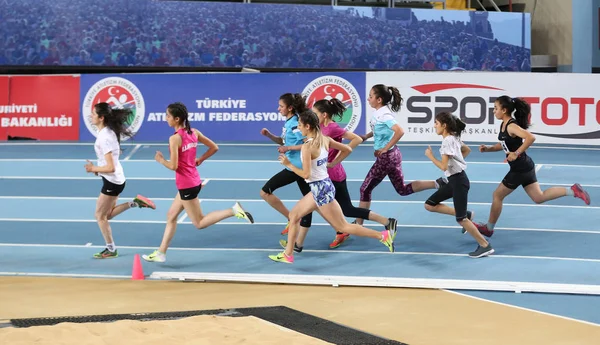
(3, 100)
(40, 107)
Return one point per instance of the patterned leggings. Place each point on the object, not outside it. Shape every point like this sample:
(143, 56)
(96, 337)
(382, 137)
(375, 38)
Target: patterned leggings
(387, 164)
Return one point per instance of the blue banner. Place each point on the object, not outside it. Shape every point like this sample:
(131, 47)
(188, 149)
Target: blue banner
(225, 107)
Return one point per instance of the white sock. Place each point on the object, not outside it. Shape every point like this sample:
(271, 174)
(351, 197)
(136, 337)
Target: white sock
(132, 204)
(111, 247)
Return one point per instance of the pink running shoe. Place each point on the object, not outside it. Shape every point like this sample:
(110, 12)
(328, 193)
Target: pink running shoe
(483, 229)
(580, 193)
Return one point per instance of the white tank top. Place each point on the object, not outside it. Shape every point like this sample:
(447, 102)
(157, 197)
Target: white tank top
(318, 166)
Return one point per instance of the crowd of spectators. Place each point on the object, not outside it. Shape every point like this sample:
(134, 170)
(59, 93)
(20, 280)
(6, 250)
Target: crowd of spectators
(220, 34)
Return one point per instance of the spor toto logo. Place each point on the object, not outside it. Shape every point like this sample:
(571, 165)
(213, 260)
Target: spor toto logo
(119, 93)
(551, 111)
(329, 87)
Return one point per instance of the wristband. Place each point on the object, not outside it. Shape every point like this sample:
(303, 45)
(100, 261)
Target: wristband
(518, 153)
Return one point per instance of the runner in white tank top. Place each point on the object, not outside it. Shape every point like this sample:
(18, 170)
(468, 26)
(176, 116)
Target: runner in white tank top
(318, 180)
(318, 166)
(322, 196)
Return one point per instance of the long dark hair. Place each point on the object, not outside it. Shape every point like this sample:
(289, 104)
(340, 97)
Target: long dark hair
(115, 119)
(332, 107)
(454, 125)
(521, 108)
(389, 95)
(179, 111)
(296, 101)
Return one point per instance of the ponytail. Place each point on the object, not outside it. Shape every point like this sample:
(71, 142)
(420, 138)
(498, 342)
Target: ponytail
(296, 101)
(519, 106)
(186, 123)
(389, 95)
(179, 111)
(332, 107)
(454, 125)
(522, 112)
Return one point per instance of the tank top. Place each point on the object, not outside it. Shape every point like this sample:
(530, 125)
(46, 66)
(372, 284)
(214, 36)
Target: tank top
(512, 144)
(335, 132)
(318, 166)
(186, 174)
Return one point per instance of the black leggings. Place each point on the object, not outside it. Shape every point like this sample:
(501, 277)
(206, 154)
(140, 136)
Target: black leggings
(343, 198)
(284, 178)
(457, 188)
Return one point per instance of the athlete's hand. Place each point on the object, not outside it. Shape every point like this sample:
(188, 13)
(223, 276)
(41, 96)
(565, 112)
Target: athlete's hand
(89, 166)
(159, 156)
(483, 148)
(198, 161)
(428, 152)
(265, 132)
(377, 153)
(284, 160)
(511, 157)
(282, 149)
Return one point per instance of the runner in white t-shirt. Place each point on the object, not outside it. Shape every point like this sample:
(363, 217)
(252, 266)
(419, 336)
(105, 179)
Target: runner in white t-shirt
(111, 126)
(453, 163)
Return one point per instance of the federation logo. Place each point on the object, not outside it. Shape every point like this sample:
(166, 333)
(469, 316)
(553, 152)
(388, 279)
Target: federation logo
(329, 87)
(120, 93)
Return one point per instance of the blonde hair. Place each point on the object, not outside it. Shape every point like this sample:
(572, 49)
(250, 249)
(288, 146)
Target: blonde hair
(312, 120)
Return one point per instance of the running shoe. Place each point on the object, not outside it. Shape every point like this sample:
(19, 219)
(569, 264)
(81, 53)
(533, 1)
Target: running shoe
(483, 229)
(281, 257)
(339, 239)
(106, 254)
(240, 213)
(141, 201)
(156, 256)
(388, 239)
(283, 244)
(442, 181)
(481, 251)
(392, 226)
(581, 193)
(287, 228)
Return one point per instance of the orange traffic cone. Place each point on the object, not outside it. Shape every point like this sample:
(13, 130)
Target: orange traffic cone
(137, 272)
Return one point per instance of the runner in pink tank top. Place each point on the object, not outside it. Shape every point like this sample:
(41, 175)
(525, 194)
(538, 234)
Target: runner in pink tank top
(182, 146)
(186, 175)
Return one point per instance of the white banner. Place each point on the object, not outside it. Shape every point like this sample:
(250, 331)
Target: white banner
(565, 107)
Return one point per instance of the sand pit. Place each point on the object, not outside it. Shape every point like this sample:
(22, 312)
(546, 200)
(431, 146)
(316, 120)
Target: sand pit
(197, 330)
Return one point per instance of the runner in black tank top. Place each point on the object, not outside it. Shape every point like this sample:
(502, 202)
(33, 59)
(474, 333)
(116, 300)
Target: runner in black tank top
(509, 144)
(515, 140)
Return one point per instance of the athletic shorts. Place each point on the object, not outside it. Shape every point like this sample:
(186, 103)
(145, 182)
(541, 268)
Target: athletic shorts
(190, 193)
(514, 179)
(323, 191)
(109, 188)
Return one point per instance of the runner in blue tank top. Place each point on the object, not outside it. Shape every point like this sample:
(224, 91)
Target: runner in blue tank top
(290, 141)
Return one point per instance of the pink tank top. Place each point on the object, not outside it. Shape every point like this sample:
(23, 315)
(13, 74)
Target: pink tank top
(335, 132)
(186, 175)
